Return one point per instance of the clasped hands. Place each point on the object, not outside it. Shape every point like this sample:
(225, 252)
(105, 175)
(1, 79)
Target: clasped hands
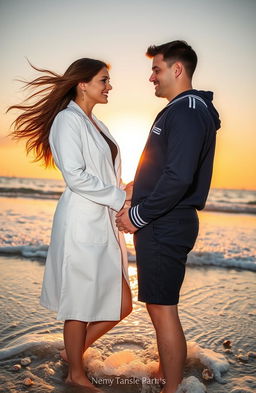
(123, 221)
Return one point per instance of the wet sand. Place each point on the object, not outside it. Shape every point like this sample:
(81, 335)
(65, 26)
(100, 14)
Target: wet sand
(216, 304)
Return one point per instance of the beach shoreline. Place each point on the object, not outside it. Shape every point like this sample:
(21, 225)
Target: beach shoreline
(216, 305)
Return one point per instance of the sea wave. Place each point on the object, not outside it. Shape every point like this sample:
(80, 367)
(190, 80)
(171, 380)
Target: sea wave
(26, 251)
(218, 259)
(224, 206)
(25, 192)
(195, 258)
(246, 208)
(252, 203)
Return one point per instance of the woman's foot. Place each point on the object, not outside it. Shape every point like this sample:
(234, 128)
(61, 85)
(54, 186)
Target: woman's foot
(81, 381)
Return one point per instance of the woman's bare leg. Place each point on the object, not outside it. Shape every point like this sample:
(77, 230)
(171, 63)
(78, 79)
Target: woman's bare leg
(97, 329)
(74, 338)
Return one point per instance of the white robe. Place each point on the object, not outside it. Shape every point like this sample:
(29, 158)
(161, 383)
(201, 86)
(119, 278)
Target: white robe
(87, 253)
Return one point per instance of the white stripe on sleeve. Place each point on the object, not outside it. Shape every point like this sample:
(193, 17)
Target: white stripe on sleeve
(136, 218)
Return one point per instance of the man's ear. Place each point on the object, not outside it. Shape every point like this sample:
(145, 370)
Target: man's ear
(178, 69)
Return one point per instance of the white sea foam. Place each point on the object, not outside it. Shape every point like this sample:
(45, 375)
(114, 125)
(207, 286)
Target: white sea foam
(195, 258)
(28, 342)
(214, 361)
(26, 251)
(237, 209)
(128, 363)
(123, 363)
(191, 385)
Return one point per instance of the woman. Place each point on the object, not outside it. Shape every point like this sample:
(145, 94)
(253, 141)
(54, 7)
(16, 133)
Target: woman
(86, 279)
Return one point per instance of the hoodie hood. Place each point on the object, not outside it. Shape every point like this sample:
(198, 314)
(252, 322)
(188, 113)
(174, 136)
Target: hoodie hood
(207, 96)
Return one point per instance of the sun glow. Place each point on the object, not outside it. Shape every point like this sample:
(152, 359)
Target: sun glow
(131, 135)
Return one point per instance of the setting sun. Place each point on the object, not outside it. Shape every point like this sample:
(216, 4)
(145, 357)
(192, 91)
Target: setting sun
(131, 135)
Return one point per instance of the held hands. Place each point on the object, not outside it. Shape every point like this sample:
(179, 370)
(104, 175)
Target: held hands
(123, 222)
(129, 190)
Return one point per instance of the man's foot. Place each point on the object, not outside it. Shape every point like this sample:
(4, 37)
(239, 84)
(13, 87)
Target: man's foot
(63, 355)
(168, 391)
(158, 373)
(171, 389)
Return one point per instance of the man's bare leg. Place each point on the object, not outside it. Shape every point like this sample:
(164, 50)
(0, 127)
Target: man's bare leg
(171, 344)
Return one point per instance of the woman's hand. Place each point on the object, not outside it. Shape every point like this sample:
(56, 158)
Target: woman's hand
(129, 190)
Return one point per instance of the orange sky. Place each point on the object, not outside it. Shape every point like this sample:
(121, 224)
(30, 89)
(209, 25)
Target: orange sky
(226, 66)
(230, 171)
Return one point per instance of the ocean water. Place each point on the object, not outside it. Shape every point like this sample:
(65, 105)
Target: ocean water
(27, 207)
(236, 201)
(217, 302)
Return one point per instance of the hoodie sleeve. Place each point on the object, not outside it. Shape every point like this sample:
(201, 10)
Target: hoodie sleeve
(186, 134)
(66, 146)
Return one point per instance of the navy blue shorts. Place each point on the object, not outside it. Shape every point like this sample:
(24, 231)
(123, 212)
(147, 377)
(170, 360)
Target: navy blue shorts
(162, 247)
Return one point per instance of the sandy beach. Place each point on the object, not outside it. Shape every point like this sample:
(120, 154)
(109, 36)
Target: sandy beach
(217, 303)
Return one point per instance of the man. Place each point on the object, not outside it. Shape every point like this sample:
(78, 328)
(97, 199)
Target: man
(172, 182)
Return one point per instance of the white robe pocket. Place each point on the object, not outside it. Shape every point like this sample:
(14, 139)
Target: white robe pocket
(91, 225)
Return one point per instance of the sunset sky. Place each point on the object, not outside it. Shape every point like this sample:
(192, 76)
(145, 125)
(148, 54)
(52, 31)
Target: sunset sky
(54, 33)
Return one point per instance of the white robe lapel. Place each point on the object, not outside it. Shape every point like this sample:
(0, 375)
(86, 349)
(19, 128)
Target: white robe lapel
(105, 130)
(99, 139)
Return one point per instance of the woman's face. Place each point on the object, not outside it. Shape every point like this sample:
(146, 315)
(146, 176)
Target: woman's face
(97, 89)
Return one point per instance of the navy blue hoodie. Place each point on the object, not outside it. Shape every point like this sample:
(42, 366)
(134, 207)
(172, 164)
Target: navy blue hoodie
(175, 168)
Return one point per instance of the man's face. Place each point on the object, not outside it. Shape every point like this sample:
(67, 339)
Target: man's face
(162, 76)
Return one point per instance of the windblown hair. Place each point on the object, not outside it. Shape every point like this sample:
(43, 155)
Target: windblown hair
(53, 93)
(176, 51)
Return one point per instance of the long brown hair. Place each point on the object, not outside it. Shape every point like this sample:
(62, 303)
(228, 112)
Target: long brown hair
(53, 94)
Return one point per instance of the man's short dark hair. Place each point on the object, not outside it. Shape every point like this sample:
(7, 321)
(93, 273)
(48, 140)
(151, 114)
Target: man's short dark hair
(176, 51)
